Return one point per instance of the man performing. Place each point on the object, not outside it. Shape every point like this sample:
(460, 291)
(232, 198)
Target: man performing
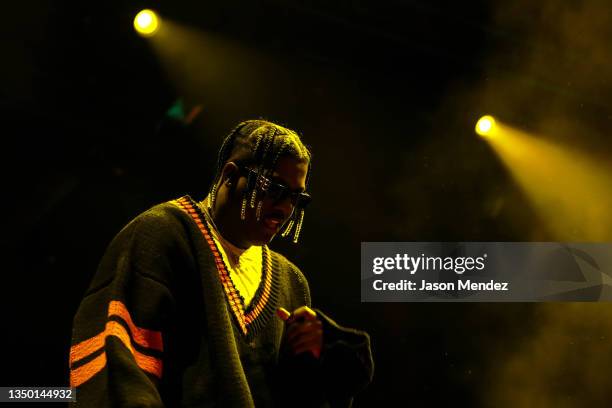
(190, 308)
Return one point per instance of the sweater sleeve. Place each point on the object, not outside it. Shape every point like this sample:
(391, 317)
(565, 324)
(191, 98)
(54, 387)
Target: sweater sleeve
(117, 351)
(345, 366)
(346, 362)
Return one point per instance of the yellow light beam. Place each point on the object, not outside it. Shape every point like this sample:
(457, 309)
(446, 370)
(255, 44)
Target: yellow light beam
(571, 192)
(146, 23)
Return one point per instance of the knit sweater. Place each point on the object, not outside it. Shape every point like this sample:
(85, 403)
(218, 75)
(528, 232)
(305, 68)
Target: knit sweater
(162, 325)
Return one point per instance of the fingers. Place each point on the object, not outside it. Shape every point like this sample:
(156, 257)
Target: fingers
(306, 336)
(304, 330)
(307, 342)
(302, 313)
(299, 329)
(311, 342)
(283, 313)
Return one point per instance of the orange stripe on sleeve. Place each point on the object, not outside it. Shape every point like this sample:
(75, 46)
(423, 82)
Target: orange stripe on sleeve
(86, 347)
(149, 364)
(116, 329)
(145, 338)
(152, 365)
(79, 375)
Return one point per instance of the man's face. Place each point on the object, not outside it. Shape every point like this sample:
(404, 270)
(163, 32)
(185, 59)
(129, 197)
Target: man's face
(274, 213)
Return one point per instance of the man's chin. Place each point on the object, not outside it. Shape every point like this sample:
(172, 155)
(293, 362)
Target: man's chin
(265, 237)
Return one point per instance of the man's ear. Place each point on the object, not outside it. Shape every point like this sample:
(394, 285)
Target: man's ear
(230, 173)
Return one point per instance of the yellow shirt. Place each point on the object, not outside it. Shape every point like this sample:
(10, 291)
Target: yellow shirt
(243, 265)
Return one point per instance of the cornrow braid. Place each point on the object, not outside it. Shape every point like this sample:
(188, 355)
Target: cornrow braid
(270, 136)
(257, 153)
(266, 168)
(280, 151)
(222, 156)
(261, 144)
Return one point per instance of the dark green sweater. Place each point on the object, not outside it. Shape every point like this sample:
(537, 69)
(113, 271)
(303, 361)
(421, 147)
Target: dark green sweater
(161, 325)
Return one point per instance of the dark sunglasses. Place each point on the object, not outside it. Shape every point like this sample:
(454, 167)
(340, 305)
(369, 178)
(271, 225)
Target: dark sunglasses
(275, 191)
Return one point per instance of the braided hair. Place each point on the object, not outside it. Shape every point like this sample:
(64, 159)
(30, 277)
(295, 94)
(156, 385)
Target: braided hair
(260, 143)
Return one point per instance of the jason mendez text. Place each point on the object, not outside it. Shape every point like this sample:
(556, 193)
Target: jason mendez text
(466, 285)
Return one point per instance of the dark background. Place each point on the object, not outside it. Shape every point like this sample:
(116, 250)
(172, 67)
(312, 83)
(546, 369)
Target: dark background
(386, 94)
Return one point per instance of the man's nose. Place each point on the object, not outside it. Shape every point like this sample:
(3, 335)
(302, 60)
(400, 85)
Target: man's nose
(285, 205)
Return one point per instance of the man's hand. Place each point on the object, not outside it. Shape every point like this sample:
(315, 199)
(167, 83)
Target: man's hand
(304, 330)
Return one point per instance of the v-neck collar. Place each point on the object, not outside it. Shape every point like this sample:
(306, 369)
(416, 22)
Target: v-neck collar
(261, 307)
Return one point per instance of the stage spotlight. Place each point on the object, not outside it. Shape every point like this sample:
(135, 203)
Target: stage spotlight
(485, 126)
(146, 23)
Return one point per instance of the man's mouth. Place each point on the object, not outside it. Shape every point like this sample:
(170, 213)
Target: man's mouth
(273, 221)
